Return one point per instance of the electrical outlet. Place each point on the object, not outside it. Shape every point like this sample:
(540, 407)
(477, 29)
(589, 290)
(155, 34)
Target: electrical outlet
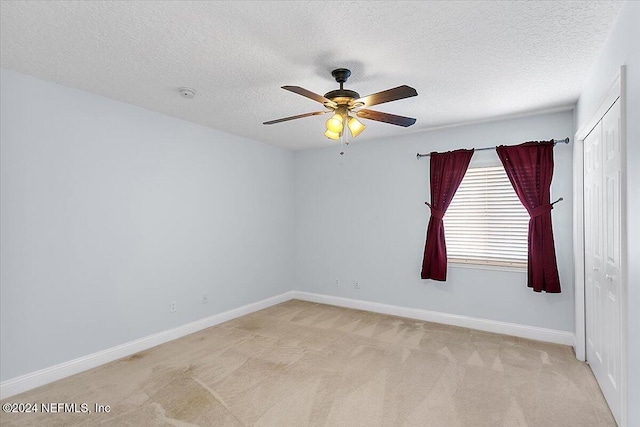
(172, 307)
(205, 298)
(337, 281)
(356, 284)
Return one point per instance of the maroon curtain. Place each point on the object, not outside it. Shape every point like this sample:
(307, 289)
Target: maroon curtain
(529, 167)
(447, 171)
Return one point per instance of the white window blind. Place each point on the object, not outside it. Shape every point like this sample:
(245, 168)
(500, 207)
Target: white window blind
(485, 222)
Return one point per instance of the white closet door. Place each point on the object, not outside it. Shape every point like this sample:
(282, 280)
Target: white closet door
(602, 222)
(593, 258)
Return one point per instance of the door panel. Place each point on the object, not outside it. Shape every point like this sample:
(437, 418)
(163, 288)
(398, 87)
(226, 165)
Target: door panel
(602, 234)
(612, 250)
(594, 265)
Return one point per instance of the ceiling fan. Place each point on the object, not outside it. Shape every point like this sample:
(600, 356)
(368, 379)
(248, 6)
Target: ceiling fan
(346, 104)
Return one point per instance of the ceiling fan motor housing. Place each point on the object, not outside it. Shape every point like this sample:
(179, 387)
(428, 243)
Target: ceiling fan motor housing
(341, 96)
(342, 93)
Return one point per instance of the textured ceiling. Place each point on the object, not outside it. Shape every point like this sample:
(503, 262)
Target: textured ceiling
(469, 61)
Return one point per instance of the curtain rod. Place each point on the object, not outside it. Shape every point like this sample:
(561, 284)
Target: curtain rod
(555, 141)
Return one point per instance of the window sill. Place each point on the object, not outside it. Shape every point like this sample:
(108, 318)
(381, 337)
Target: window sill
(495, 267)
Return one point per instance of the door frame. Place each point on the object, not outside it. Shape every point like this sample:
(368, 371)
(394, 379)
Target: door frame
(615, 92)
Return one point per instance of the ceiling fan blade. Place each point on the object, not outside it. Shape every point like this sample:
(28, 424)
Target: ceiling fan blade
(299, 116)
(385, 117)
(388, 95)
(311, 95)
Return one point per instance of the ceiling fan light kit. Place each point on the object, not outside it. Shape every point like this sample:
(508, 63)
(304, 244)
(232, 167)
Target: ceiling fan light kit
(335, 124)
(355, 126)
(343, 101)
(332, 135)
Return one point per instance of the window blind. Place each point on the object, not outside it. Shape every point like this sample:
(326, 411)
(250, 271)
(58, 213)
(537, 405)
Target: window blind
(485, 222)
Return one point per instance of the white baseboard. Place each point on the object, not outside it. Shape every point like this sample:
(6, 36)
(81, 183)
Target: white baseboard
(45, 376)
(514, 329)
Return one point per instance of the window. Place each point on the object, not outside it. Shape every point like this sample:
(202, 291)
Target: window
(486, 223)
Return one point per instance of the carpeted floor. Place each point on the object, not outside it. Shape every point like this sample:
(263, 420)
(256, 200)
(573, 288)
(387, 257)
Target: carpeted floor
(305, 364)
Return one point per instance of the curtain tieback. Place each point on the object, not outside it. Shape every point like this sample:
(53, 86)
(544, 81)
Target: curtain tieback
(540, 210)
(436, 213)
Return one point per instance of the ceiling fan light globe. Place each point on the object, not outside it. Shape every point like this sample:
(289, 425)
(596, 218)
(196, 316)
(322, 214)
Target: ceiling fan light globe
(334, 124)
(332, 135)
(355, 126)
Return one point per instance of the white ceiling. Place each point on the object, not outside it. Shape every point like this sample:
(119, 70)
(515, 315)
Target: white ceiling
(469, 61)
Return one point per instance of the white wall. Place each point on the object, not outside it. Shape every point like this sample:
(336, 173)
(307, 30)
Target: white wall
(362, 217)
(110, 212)
(623, 48)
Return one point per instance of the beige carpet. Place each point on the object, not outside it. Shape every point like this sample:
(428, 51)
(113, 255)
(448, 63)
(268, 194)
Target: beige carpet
(305, 364)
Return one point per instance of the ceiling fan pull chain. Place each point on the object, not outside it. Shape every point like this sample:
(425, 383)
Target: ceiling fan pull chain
(345, 139)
